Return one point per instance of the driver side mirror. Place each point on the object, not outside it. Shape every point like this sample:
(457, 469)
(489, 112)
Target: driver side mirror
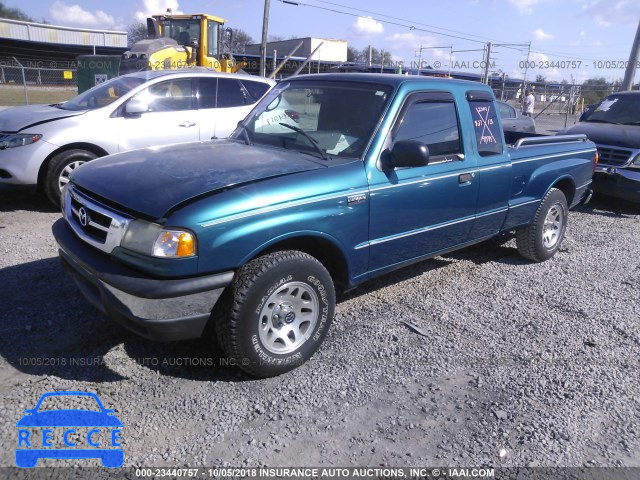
(406, 153)
(136, 106)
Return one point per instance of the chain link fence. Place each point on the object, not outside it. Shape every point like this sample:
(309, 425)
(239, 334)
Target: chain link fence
(22, 84)
(557, 106)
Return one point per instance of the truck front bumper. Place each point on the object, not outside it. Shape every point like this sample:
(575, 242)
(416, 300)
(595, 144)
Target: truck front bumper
(157, 309)
(621, 183)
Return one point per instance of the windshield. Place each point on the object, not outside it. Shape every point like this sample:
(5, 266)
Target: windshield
(103, 94)
(182, 31)
(623, 109)
(338, 117)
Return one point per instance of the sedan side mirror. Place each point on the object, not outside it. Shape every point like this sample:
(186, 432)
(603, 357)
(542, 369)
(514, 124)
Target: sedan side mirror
(136, 106)
(406, 153)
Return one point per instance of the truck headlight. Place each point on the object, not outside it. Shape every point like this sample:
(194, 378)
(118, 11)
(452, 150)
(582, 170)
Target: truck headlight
(151, 239)
(174, 243)
(18, 140)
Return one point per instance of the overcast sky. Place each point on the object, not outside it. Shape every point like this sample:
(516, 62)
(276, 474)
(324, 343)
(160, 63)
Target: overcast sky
(596, 35)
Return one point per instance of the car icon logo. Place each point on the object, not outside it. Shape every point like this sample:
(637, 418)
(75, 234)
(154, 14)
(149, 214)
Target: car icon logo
(83, 216)
(93, 432)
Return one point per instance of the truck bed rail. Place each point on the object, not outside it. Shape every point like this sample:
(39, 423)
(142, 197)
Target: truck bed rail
(549, 140)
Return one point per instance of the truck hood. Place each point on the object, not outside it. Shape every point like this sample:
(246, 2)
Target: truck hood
(627, 136)
(153, 181)
(13, 120)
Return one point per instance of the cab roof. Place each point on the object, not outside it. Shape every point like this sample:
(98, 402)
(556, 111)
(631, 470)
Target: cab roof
(394, 80)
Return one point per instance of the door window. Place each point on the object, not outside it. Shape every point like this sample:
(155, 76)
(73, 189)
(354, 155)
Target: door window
(433, 123)
(169, 96)
(230, 93)
(256, 89)
(208, 92)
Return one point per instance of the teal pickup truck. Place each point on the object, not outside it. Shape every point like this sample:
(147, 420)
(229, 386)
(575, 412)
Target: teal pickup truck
(330, 181)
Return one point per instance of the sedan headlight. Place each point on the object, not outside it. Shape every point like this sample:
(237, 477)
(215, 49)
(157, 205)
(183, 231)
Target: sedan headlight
(18, 140)
(636, 162)
(152, 239)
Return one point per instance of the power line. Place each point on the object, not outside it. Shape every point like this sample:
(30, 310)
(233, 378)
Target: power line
(410, 27)
(404, 20)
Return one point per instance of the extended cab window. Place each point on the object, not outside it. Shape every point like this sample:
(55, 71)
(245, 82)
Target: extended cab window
(433, 123)
(486, 126)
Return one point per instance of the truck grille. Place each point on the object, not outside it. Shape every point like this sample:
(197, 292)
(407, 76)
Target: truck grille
(614, 156)
(94, 222)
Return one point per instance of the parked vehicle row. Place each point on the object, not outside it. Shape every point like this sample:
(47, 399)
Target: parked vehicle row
(42, 144)
(330, 181)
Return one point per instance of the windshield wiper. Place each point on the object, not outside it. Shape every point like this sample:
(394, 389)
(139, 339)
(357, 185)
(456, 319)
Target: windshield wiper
(312, 140)
(247, 136)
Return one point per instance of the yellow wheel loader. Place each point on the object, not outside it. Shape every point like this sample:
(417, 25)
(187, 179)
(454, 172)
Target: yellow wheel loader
(180, 41)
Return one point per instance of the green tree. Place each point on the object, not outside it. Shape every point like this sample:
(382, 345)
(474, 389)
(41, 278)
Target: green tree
(595, 89)
(13, 13)
(352, 54)
(239, 41)
(136, 32)
(376, 57)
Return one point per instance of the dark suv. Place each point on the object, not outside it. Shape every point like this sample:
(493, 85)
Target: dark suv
(614, 126)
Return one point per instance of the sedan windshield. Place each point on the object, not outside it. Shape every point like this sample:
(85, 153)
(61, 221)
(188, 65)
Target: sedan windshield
(619, 109)
(317, 116)
(103, 94)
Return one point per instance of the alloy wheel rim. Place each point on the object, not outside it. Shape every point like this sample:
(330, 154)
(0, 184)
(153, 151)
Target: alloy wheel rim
(288, 317)
(63, 179)
(552, 228)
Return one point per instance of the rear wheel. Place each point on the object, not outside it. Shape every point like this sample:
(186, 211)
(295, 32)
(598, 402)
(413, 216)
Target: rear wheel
(60, 168)
(542, 238)
(276, 313)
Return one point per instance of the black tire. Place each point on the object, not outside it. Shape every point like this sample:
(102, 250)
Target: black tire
(60, 166)
(540, 240)
(251, 323)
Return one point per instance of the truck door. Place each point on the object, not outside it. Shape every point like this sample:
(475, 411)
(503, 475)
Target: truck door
(172, 117)
(417, 211)
(494, 175)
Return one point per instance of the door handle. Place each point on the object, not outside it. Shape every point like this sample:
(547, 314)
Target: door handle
(187, 124)
(465, 177)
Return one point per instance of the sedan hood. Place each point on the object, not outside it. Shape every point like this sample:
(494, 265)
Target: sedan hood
(627, 136)
(155, 180)
(13, 120)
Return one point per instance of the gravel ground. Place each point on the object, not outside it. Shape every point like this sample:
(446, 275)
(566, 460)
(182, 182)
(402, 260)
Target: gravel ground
(540, 360)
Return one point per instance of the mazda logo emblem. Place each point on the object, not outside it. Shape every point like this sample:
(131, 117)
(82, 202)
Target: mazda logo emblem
(83, 216)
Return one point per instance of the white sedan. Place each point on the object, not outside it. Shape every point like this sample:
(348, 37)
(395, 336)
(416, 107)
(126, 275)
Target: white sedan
(42, 144)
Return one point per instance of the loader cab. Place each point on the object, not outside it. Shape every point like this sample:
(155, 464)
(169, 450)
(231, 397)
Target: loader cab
(201, 35)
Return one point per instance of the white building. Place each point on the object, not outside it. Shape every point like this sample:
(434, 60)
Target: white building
(331, 50)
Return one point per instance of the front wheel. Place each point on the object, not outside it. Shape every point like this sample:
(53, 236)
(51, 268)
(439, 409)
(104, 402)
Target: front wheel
(59, 170)
(276, 312)
(542, 238)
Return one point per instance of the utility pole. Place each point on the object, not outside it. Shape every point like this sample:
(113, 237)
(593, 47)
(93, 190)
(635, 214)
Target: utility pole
(263, 45)
(485, 74)
(634, 56)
